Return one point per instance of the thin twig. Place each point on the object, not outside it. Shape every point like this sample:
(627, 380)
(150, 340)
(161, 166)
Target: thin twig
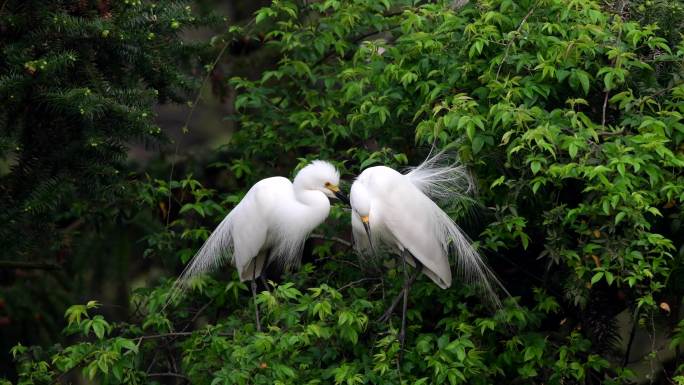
(187, 122)
(350, 263)
(29, 265)
(605, 107)
(170, 374)
(358, 38)
(666, 89)
(172, 359)
(612, 133)
(333, 239)
(199, 312)
(517, 32)
(350, 284)
(632, 333)
(165, 335)
(617, 42)
(176, 335)
(154, 361)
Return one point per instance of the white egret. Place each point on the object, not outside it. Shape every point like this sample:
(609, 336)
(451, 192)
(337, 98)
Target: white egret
(395, 211)
(270, 224)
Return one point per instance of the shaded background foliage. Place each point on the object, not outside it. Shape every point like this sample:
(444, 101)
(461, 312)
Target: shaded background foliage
(569, 113)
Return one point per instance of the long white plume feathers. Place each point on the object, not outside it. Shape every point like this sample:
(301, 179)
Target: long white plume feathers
(442, 180)
(216, 250)
(470, 267)
(447, 181)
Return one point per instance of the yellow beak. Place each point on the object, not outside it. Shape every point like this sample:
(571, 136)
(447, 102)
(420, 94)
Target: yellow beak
(333, 188)
(364, 219)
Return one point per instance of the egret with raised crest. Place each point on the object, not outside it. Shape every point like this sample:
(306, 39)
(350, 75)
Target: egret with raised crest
(269, 225)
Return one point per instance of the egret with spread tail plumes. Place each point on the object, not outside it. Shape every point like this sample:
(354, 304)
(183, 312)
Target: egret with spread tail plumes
(269, 225)
(396, 212)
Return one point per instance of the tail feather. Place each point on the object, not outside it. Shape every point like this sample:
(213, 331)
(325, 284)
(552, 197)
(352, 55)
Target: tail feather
(470, 266)
(447, 181)
(215, 251)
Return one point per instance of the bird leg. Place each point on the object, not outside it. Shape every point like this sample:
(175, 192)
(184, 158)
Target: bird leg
(262, 276)
(254, 293)
(407, 284)
(407, 287)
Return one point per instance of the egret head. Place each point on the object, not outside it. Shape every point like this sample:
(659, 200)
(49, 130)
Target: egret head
(360, 203)
(321, 176)
(360, 200)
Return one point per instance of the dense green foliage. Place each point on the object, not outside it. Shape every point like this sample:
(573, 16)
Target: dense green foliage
(78, 81)
(569, 116)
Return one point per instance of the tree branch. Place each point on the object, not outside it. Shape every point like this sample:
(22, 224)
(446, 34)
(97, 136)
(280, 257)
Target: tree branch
(665, 90)
(29, 265)
(164, 335)
(358, 38)
(176, 335)
(632, 333)
(333, 239)
(350, 284)
(617, 42)
(187, 122)
(170, 374)
(517, 32)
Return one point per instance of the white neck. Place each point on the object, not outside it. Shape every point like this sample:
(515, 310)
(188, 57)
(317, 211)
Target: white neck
(312, 198)
(316, 207)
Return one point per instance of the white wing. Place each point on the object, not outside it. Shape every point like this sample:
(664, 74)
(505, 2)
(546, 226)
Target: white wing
(408, 216)
(419, 225)
(240, 237)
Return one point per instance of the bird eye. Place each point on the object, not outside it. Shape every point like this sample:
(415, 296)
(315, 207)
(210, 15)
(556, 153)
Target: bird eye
(327, 184)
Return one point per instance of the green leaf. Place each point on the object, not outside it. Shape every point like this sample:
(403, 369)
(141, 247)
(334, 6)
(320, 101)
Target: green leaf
(583, 78)
(262, 14)
(535, 186)
(535, 166)
(609, 277)
(500, 180)
(75, 313)
(478, 142)
(99, 329)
